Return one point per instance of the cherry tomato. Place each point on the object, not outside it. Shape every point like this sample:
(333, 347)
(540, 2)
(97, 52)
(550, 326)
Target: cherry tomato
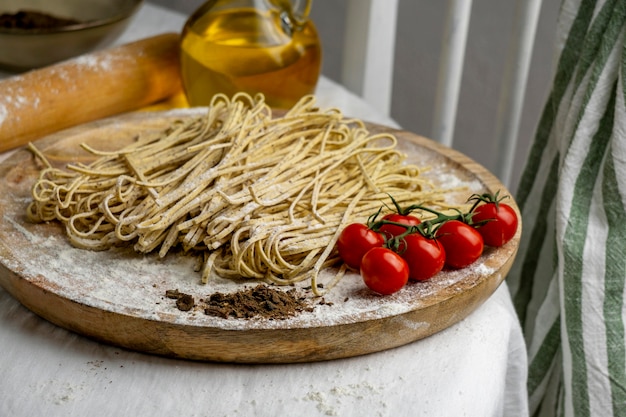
(391, 230)
(462, 243)
(500, 223)
(384, 271)
(354, 242)
(424, 256)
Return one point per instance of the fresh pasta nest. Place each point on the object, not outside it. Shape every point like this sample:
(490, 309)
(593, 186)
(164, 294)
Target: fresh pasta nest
(254, 195)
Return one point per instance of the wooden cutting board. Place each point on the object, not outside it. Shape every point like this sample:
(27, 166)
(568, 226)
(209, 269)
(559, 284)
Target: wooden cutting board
(118, 297)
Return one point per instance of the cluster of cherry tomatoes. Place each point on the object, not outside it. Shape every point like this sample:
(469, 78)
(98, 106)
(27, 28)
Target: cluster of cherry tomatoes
(400, 247)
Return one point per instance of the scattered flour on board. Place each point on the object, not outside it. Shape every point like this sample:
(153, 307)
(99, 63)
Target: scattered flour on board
(119, 280)
(454, 182)
(122, 281)
(32, 238)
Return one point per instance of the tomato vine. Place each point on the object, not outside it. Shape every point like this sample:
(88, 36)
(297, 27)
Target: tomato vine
(409, 247)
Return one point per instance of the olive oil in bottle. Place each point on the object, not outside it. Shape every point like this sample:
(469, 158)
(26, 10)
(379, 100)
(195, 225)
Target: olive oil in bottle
(248, 49)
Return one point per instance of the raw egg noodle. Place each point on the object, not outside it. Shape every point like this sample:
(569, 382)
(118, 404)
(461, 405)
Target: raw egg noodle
(254, 195)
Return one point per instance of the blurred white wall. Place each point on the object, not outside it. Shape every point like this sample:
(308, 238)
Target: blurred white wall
(420, 27)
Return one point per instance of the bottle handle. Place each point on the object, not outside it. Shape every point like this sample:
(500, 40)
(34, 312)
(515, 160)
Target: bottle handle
(300, 10)
(295, 13)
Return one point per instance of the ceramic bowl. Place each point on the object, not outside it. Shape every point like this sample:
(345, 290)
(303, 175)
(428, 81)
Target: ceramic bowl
(29, 40)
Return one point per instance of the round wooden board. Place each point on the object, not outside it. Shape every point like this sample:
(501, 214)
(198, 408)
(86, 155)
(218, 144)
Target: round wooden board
(118, 296)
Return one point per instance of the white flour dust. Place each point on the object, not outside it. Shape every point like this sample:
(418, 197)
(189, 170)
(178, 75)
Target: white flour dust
(121, 281)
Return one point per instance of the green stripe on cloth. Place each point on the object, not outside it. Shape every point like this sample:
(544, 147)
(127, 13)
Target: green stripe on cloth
(594, 45)
(542, 362)
(615, 259)
(564, 73)
(569, 194)
(603, 36)
(573, 255)
(537, 237)
(551, 404)
(614, 282)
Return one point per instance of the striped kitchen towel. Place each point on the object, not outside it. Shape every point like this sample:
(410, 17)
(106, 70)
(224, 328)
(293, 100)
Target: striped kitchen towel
(568, 282)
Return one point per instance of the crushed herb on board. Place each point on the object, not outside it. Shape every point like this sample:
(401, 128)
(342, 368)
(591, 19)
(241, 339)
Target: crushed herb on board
(184, 302)
(260, 301)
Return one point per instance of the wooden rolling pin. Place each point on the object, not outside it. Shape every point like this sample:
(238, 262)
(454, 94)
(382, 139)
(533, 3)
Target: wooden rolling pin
(87, 88)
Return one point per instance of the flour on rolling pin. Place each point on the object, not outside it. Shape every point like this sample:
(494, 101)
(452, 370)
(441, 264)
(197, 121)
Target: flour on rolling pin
(88, 88)
(19, 96)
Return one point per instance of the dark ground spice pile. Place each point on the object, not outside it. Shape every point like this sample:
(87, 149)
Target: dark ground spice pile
(29, 19)
(259, 301)
(184, 302)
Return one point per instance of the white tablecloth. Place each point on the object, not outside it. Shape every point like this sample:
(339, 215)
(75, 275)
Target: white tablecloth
(474, 368)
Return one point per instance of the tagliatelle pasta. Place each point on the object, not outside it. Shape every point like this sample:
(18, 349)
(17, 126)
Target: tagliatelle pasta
(256, 196)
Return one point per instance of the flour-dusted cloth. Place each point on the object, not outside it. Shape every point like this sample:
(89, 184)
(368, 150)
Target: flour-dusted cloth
(470, 369)
(568, 283)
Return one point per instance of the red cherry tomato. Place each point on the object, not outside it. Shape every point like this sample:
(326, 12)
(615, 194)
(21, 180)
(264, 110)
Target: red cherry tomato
(500, 223)
(391, 230)
(424, 256)
(384, 271)
(462, 243)
(354, 242)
